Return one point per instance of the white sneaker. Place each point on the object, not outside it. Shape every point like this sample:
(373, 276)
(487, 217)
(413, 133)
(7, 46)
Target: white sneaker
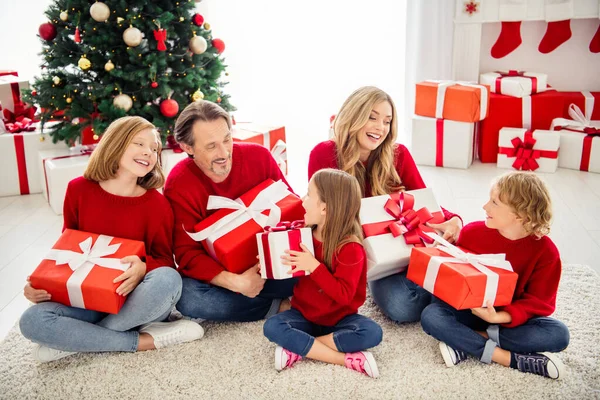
(172, 333)
(46, 354)
(451, 356)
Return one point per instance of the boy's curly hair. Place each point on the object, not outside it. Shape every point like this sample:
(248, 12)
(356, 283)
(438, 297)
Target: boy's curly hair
(529, 198)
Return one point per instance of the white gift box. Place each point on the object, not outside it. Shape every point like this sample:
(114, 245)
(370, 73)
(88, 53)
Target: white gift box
(10, 90)
(522, 149)
(272, 245)
(169, 158)
(515, 83)
(387, 254)
(58, 168)
(19, 172)
(442, 143)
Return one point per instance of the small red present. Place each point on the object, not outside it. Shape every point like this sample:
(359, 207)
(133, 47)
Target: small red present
(229, 234)
(588, 103)
(461, 279)
(530, 112)
(80, 269)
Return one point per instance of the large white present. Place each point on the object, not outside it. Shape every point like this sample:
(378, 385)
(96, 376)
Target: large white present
(169, 158)
(10, 91)
(515, 83)
(274, 241)
(442, 142)
(19, 172)
(57, 169)
(392, 225)
(522, 149)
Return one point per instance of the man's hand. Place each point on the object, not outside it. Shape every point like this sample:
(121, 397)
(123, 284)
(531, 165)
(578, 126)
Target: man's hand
(132, 277)
(250, 283)
(35, 295)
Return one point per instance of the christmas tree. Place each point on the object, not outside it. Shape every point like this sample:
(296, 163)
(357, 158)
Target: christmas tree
(105, 60)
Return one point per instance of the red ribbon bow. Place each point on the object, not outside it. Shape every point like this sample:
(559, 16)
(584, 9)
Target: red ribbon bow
(285, 226)
(160, 35)
(513, 73)
(525, 154)
(21, 119)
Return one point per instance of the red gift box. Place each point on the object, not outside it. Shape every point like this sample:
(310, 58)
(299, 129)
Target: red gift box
(273, 138)
(588, 102)
(531, 112)
(5, 72)
(229, 234)
(461, 279)
(80, 269)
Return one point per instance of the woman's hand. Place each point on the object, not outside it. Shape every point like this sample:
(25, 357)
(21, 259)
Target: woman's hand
(450, 229)
(35, 295)
(132, 277)
(301, 260)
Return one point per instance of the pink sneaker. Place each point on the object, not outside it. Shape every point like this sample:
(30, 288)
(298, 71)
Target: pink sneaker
(285, 358)
(363, 362)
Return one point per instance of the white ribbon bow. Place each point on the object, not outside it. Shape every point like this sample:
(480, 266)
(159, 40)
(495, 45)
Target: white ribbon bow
(476, 260)
(82, 263)
(578, 119)
(441, 95)
(265, 200)
(279, 153)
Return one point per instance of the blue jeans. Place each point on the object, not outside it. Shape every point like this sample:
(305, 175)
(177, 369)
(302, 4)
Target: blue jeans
(295, 333)
(214, 303)
(67, 328)
(400, 299)
(458, 330)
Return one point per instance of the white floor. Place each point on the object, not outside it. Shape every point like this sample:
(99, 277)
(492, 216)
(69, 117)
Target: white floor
(28, 227)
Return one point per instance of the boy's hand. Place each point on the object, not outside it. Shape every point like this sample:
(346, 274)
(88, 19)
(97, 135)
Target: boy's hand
(300, 260)
(450, 229)
(489, 314)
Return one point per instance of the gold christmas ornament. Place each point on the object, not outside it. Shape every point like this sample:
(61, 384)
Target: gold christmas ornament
(42, 138)
(69, 100)
(198, 45)
(207, 26)
(95, 137)
(123, 101)
(181, 19)
(132, 36)
(198, 95)
(99, 12)
(119, 20)
(56, 80)
(64, 15)
(109, 66)
(84, 63)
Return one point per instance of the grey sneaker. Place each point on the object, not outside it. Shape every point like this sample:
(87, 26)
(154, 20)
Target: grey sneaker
(172, 333)
(451, 356)
(543, 364)
(46, 354)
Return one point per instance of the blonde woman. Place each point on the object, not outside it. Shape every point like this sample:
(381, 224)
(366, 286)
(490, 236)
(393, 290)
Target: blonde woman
(117, 196)
(364, 145)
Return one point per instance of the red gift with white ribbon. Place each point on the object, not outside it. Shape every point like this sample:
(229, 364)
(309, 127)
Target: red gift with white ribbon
(229, 234)
(271, 137)
(392, 225)
(80, 269)
(272, 244)
(522, 149)
(462, 279)
(515, 83)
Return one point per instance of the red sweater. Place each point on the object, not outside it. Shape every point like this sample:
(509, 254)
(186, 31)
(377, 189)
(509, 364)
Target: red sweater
(147, 218)
(537, 262)
(187, 189)
(325, 297)
(324, 155)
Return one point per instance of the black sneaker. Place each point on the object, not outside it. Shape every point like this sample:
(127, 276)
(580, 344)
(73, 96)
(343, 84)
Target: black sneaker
(451, 356)
(544, 364)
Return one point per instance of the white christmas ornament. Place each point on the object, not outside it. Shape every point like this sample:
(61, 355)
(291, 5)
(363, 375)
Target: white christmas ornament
(198, 45)
(64, 16)
(132, 36)
(123, 102)
(100, 12)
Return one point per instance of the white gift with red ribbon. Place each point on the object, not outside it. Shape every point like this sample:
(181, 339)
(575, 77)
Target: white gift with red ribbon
(82, 263)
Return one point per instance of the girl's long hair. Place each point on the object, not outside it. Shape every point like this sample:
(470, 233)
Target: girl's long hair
(353, 116)
(341, 194)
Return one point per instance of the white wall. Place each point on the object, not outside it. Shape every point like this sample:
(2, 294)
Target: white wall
(290, 62)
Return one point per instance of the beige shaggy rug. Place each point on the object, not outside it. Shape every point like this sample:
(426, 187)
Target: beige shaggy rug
(235, 361)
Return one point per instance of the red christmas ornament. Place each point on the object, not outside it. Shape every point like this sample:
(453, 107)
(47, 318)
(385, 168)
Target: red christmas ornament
(47, 31)
(77, 35)
(198, 19)
(471, 7)
(88, 136)
(169, 108)
(160, 35)
(154, 85)
(33, 93)
(219, 45)
(218, 99)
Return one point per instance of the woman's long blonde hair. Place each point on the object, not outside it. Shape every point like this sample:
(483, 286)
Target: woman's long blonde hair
(341, 194)
(353, 116)
(104, 161)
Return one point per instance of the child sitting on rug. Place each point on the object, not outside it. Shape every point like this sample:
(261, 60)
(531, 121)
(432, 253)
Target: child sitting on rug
(520, 335)
(323, 323)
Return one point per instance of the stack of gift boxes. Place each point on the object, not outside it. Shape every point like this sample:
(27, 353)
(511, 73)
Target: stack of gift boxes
(528, 125)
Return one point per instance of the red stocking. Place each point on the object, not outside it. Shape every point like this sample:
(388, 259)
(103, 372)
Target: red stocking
(556, 34)
(595, 43)
(509, 39)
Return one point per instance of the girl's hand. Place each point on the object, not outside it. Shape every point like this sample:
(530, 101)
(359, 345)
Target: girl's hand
(132, 277)
(35, 295)
(301, 260)
(450, 229)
